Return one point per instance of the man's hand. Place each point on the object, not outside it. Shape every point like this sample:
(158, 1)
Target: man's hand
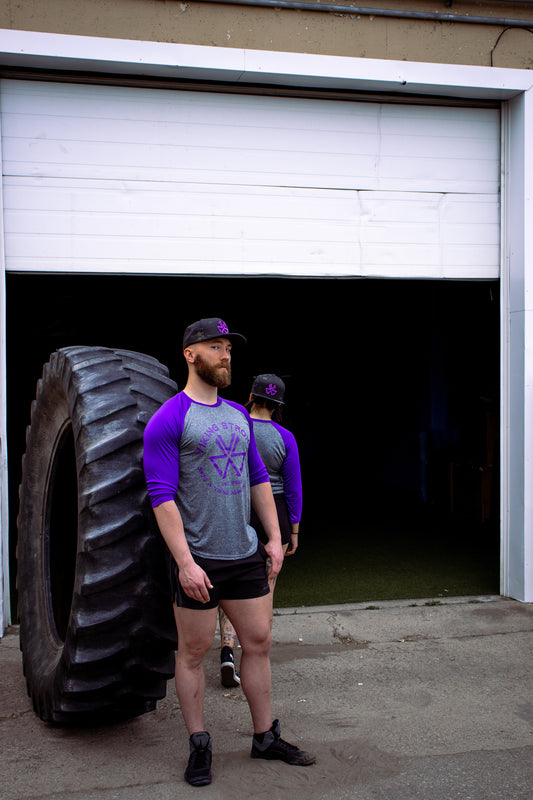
(195, 582)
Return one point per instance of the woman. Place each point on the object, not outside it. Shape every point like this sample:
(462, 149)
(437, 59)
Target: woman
(279, 451)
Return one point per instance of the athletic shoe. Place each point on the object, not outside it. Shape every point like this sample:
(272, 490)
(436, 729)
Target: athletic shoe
(198, 772)
(271, 746)
(228, 671)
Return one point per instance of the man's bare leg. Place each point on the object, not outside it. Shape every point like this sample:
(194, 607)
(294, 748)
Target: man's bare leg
(251, 620)
(196, 630)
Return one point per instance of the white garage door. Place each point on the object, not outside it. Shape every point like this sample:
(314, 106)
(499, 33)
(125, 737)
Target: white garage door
(129, 180)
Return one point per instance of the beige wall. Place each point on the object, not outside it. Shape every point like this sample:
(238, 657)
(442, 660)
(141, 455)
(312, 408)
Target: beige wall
(287, 30)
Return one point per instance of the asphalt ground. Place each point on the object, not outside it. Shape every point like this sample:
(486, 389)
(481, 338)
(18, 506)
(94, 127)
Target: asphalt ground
(400, 700)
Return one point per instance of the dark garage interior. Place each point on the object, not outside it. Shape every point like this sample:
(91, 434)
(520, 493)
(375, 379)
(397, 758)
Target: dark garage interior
(392, 394)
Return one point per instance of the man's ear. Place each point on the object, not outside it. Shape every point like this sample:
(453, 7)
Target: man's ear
(189, 355)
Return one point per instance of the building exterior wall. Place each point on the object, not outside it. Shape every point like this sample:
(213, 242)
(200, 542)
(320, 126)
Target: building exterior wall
(279, 44)
(351, 34)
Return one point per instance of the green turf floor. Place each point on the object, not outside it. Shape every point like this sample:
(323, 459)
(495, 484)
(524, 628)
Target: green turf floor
(388, 560)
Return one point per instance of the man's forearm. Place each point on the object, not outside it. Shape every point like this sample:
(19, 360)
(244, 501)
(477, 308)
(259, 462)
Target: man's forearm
(193, 579)
(170, 524)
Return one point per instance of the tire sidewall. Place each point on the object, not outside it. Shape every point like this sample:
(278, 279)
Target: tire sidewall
(42, 645)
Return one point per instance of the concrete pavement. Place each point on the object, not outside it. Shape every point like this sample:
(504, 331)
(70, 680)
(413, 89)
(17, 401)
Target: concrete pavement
(399, 700)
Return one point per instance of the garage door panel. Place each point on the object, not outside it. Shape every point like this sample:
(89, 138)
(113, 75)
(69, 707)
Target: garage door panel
(48, 194)
(421, 254)
(443, 148)
(186, 227)
(155, 250)
(192, 166)
(458, 176)
(136, 105)
(269, 141)
(414, 272)
(189, 165)
(466, 255)
(179, 133)
(437, 144)
(134, 230)
(113, 179)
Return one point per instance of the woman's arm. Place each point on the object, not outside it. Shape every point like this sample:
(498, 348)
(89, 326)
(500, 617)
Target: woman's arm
(265, 508)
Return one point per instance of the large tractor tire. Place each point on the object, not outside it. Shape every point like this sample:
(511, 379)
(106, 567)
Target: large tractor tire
(96, 628)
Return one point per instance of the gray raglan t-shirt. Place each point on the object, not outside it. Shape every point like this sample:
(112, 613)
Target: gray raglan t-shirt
(206, 459)
(279, 451)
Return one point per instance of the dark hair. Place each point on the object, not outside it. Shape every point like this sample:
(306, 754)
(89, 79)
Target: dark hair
(262, 402)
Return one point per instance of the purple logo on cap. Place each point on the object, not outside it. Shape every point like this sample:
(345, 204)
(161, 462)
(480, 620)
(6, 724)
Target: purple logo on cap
(271, 389)
(222, 327)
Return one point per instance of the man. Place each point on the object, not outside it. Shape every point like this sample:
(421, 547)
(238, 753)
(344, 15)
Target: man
(203, 470)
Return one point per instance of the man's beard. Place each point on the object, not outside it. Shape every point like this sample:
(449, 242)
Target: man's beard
(213, 375)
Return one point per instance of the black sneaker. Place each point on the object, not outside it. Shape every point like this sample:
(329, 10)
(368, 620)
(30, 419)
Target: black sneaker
(198, 772)
(273, 747)
(228, 671)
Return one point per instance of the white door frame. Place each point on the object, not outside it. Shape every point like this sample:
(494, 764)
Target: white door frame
(5, 605)
(511, 86)
(517, 349)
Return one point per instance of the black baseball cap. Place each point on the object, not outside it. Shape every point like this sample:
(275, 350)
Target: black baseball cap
(269, 387)
(210, 328)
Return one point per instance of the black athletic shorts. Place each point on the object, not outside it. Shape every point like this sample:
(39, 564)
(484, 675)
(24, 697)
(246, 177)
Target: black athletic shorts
(242, 579)
(283, 519)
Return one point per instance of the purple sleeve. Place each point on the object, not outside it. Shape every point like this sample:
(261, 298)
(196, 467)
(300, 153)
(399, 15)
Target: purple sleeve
(256, 468)
(292, 476)
(161, 449)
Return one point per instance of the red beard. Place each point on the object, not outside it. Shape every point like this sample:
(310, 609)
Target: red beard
(213, 375)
